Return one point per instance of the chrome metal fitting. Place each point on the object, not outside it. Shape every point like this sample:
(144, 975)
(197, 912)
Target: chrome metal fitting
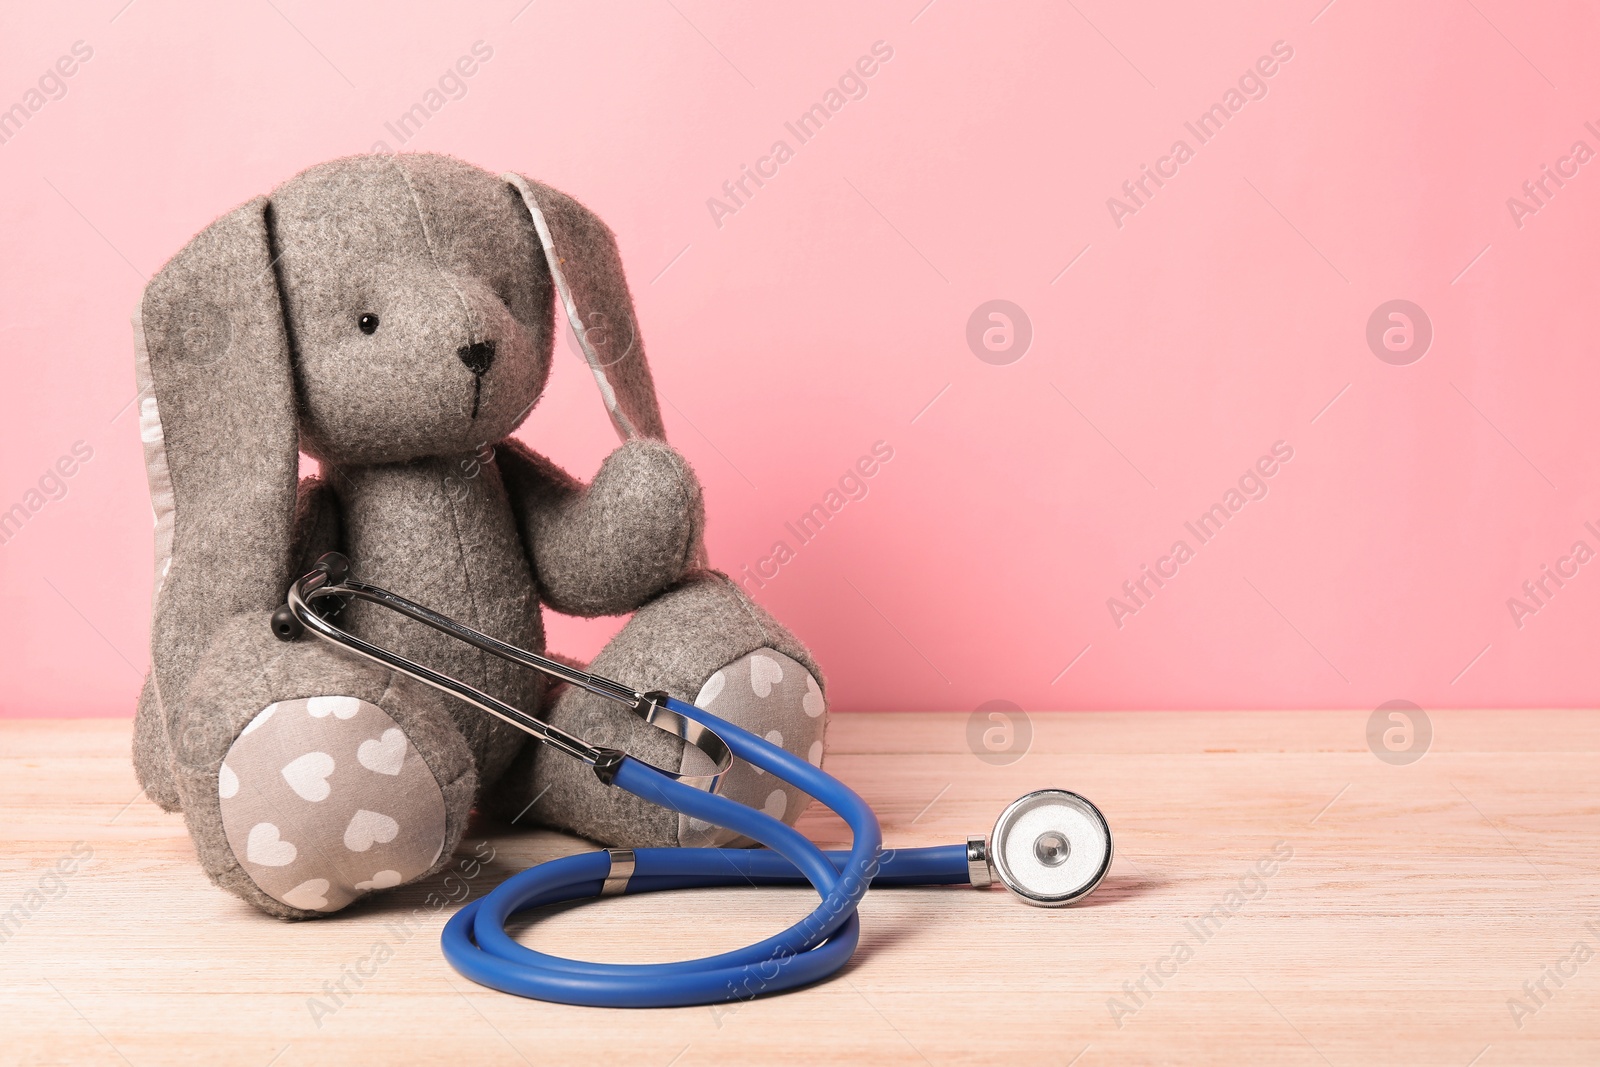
(621, 872)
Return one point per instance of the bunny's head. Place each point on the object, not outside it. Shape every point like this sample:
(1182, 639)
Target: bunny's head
(375, 309)
(417, 303)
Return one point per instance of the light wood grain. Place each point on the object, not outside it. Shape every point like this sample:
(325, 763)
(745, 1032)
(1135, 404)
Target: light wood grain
(1417, 902)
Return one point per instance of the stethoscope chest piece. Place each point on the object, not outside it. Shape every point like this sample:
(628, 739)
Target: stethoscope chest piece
(1050, 848)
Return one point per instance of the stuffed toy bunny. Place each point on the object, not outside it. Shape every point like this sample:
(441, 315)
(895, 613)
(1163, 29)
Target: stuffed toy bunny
(392, 318)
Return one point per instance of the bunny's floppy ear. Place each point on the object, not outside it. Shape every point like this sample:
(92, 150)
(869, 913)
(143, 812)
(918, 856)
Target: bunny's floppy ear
(593, 291)
(217, 415)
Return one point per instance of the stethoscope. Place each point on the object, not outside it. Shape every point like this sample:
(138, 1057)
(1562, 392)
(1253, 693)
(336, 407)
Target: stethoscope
(1050, 847)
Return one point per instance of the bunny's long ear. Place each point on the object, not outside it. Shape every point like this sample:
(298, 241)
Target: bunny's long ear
(593, 292)
(217, 415)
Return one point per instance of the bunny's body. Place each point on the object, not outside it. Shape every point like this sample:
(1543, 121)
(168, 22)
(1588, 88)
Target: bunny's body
(419, 529)
(391, 317)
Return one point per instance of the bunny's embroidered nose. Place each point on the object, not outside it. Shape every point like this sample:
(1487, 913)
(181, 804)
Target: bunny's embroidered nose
(478, 356)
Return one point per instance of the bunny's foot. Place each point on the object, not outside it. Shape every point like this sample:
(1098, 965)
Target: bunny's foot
(702, 641)
(310, 779)
(776, 697)
(326, 798)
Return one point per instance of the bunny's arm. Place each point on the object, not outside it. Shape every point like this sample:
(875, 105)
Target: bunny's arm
(608, 547)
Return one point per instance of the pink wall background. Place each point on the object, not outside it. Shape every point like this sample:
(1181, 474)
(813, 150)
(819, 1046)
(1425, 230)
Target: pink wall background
(830, 312)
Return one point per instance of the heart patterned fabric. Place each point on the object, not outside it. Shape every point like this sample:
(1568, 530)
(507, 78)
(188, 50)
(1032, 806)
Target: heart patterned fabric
(324, 799)
(772, 695)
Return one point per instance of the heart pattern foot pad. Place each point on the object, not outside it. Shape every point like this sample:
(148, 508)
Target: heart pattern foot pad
(324, 799)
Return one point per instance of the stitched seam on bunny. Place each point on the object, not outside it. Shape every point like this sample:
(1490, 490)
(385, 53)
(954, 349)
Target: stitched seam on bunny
(466, 580)
(187, 701)
(433, 253)
(692, 535)
(468, 769)
(730, 587)
(730, 590)
(685, 759)
(806, 660)
(388, 691)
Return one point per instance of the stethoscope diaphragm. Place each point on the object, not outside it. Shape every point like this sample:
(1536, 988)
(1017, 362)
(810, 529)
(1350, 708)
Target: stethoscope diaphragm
(1050, 847)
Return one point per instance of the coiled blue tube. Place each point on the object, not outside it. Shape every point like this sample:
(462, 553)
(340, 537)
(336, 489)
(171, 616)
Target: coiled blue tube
(477, 945)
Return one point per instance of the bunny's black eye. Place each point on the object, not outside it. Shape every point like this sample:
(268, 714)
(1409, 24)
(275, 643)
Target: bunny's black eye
(368, 323)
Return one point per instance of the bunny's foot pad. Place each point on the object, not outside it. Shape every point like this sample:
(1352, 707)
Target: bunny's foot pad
(325, 799)
(773, 696)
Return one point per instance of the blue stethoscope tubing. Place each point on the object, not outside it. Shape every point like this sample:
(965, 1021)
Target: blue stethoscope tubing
(476, 943)
(1050, 847)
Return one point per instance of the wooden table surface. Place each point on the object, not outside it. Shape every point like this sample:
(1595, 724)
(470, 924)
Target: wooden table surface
(1442, 912)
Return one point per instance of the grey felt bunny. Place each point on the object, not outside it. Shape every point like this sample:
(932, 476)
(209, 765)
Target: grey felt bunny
(392, 317)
